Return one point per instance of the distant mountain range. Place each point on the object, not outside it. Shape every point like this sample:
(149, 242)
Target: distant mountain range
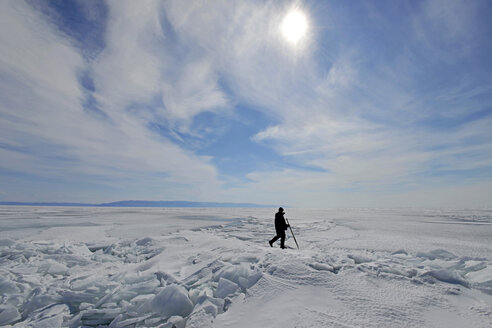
(144, 203)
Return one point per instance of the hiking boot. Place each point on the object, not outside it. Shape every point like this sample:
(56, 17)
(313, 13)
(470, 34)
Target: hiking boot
(271, 244)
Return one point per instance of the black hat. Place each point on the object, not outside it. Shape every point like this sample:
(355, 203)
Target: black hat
(280, 210)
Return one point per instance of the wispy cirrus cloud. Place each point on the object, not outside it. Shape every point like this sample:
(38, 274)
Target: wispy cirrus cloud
(47, 132)
(371, 107)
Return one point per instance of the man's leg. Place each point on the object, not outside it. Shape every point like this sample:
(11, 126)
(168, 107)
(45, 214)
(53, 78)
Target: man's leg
(282, 240)
(273, 240)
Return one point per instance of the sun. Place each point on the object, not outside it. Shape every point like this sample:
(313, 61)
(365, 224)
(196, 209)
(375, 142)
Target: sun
(294, 26)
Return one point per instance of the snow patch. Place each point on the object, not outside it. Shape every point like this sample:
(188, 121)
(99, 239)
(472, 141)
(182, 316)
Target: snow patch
(322, 267)
(358, 259)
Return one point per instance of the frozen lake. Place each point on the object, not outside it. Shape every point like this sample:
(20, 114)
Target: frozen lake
(188, 267)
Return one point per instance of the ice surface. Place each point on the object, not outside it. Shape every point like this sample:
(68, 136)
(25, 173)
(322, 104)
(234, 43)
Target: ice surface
(8, 314)
(83, 267)
(226, 288)
(448, 276)
(481, 276)
(172, 300)
(437, 254)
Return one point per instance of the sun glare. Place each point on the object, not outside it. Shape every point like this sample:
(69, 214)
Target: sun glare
(294, 26)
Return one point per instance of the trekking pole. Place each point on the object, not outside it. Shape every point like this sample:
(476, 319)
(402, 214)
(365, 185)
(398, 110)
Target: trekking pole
(292, 233)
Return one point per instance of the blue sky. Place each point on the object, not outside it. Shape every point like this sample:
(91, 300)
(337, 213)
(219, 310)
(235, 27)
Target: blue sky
(379, 103)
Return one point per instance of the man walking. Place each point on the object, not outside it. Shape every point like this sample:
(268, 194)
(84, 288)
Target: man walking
(280, 227)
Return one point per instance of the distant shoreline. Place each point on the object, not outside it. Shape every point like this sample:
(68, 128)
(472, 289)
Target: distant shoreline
(142, 203)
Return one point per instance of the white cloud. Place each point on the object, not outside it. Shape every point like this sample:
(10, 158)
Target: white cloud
(46, 132)
(299, 188)
(324, 118)
(129, 69)
(244, 43)
(448, 27)
(350, 119)
(194, 92)
(140, 64)
(29, 52)
(454, 19)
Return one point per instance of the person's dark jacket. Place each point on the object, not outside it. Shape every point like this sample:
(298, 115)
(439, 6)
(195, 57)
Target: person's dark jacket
(280, 224)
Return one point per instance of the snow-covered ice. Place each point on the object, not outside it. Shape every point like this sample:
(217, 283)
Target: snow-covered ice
(148, 267)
